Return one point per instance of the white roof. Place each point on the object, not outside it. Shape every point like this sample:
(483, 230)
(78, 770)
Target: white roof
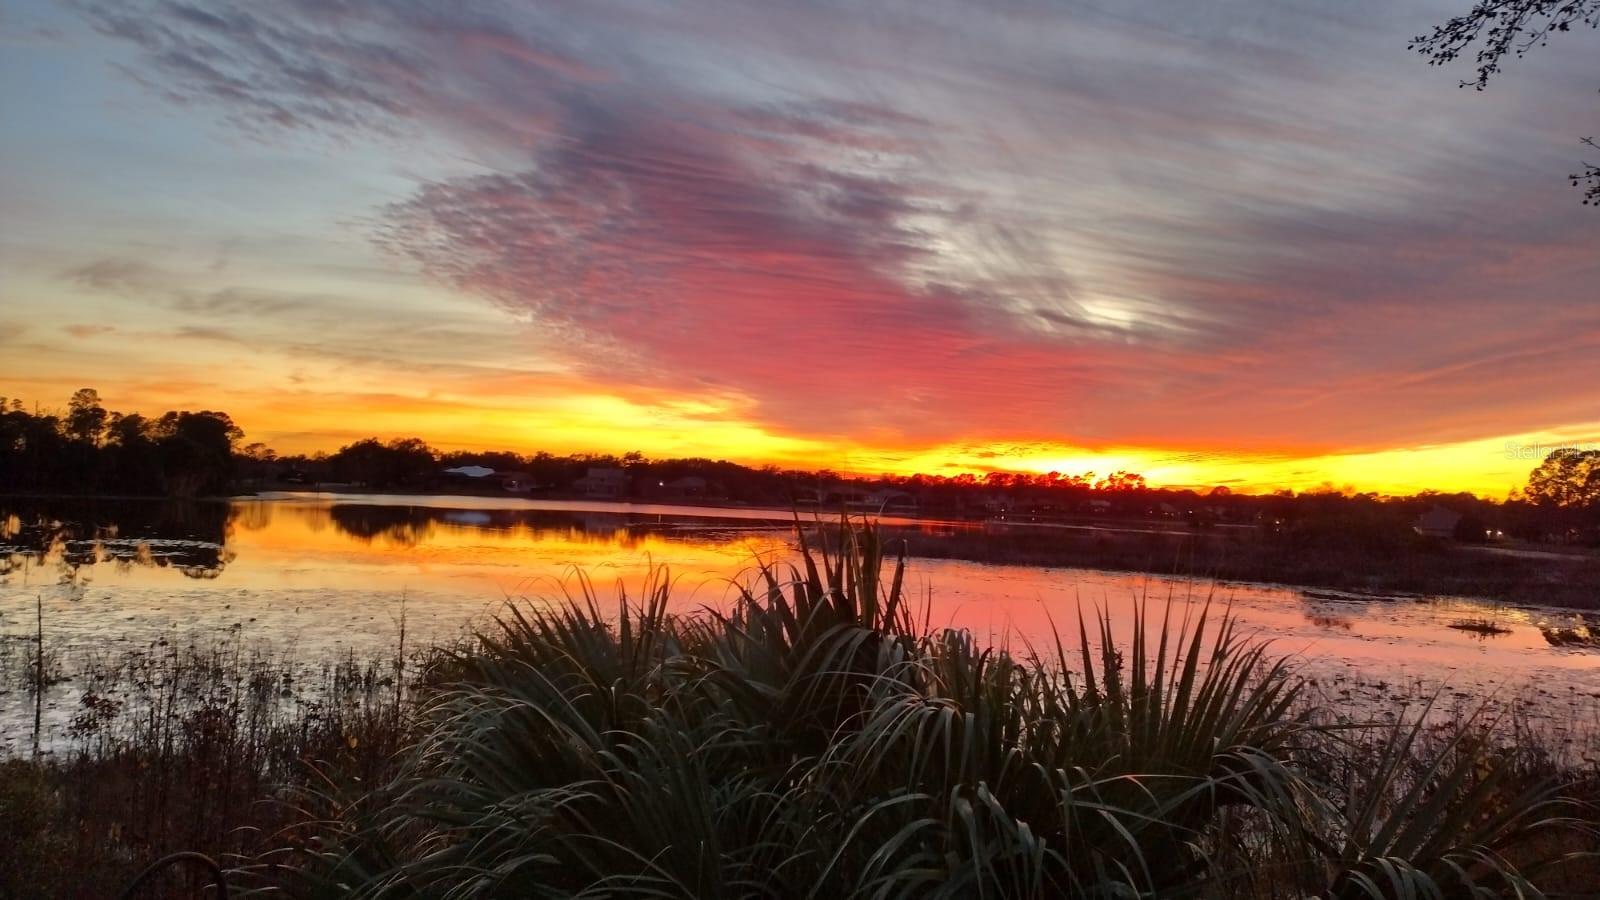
(470, 471)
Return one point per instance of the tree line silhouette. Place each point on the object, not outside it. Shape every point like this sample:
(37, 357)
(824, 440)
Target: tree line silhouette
(89, 450)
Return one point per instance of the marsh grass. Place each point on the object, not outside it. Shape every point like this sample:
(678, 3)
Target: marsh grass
(1420, 568)
(817, 738)
(1480, 626)
(185, 746)
(1582, 635)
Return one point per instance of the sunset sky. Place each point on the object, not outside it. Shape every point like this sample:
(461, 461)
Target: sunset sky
(1256, 243)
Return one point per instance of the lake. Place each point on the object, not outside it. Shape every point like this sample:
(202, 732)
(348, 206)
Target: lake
(309, 574)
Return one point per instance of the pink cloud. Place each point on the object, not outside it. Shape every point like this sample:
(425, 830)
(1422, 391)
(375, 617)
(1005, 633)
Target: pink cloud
(710, 258)
(946, 221)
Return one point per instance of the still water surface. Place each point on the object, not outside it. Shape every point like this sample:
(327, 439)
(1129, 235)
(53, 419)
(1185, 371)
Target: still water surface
(308, 574)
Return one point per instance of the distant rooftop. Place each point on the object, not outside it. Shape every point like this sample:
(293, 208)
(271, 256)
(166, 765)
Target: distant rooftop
(470, 471)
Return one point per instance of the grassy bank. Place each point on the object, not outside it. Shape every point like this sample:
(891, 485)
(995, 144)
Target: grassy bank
(816, 740)
(1409, 565)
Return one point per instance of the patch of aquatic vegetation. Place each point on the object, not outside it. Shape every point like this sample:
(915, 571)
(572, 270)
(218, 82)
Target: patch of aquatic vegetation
(1481, 626)
(1582, 635)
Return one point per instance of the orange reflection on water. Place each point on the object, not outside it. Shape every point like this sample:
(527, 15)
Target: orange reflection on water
(516, 552)
(327, 571)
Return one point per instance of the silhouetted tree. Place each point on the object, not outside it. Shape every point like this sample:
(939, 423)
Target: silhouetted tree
(196, 451)
(258, 452)
(401, 462)
(1568, 478)
(95, 450)
(411, 459)
(498, 460)
(135, 464)
(1501, 28)
(32, 456)
(1121, 481)
(86, 418)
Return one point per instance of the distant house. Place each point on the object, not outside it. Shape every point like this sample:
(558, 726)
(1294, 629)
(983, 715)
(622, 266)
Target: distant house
(854, 497)
(603, 482)
(997, 503)
(1438, 522)
(687, 486)
(516, 482)
(898, 502)
(843, 495)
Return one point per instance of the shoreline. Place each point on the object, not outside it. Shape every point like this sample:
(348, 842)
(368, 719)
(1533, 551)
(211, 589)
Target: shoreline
(1528, 576)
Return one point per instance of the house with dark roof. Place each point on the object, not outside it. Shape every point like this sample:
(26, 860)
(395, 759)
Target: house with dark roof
(1438, 522)
(516, 482)
(603, 481)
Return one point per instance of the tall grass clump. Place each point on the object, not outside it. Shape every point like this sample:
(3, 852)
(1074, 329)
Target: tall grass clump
(181, 746)
(815, 741)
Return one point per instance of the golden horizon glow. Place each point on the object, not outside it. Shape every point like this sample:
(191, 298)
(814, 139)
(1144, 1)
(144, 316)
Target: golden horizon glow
(588, 420)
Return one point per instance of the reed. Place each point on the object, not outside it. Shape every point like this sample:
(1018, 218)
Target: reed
(184, 746)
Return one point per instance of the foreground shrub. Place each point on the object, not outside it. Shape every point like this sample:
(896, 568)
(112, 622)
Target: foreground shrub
(814, 741)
